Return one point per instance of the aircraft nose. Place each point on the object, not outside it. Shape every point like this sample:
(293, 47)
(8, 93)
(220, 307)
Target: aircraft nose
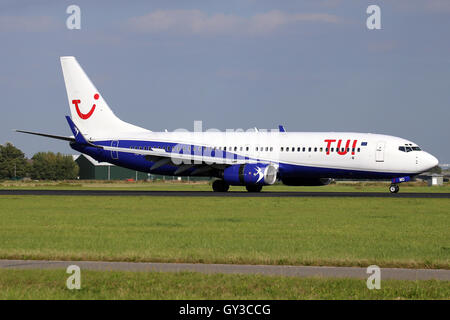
(430, 161)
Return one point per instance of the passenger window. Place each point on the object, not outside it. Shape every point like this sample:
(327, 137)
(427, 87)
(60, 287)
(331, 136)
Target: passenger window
(287, 148)
(332, 149)
(304, 149)
(271, 149)
(359, 149)
(281, 149)
(309, 149)
(315, 149)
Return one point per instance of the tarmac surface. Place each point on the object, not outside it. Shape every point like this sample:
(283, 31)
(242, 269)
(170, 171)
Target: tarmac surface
(35, 192)
(292, 271)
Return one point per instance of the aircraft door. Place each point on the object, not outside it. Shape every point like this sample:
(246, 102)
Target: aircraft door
(379, 152)
(114, 154)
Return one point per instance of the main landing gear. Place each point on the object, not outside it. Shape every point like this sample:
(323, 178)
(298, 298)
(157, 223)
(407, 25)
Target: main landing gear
(394, 188)
(220, 186)
(256, 188)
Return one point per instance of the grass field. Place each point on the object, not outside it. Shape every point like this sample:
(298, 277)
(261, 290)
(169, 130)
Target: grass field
(387, 232)
(170, 185)
(293, 231)
(50, 284)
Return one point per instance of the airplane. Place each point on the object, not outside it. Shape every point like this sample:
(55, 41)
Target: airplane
(251, 159)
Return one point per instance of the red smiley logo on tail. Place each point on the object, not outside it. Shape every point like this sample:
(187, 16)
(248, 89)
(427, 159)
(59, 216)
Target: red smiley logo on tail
(85, 116)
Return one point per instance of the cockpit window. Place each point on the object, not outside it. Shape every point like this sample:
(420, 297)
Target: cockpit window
(409, 148)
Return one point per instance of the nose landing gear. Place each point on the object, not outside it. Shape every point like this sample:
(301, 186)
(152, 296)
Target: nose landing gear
(394, 188)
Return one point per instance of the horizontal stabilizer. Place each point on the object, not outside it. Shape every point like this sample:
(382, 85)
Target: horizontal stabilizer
(70, 139)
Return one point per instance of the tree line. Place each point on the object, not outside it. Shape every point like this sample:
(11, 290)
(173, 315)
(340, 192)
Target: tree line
(42, 166)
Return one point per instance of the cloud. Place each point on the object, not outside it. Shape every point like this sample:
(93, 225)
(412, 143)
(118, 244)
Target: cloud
(26, 24)
(200, 23)
(429, 6)
(439, 6)
(270, 21)
(382, 46)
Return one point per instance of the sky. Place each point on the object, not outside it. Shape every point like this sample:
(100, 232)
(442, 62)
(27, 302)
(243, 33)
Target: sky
(309, 65)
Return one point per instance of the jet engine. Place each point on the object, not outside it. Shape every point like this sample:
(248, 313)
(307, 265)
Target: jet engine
(250, 174)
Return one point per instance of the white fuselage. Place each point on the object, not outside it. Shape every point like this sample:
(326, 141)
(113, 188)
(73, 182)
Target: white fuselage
(357, 151)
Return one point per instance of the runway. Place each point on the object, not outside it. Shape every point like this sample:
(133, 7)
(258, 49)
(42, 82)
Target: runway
(291, 271)
(36, 192)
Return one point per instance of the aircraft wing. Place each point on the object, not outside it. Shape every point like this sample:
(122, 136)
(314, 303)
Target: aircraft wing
(159, 156)
(180, 157)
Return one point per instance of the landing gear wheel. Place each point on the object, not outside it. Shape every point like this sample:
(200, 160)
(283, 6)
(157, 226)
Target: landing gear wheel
(253, 188)
(394, 188)
(220, 186)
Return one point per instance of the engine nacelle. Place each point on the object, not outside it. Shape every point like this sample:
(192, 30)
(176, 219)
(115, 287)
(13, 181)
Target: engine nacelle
(306, 181)
(250, 174)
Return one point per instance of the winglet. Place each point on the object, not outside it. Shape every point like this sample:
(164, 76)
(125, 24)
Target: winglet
(281, 128)
(76, 132)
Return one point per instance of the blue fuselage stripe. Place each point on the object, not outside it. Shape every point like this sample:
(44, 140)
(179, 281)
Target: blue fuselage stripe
(140, 163)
